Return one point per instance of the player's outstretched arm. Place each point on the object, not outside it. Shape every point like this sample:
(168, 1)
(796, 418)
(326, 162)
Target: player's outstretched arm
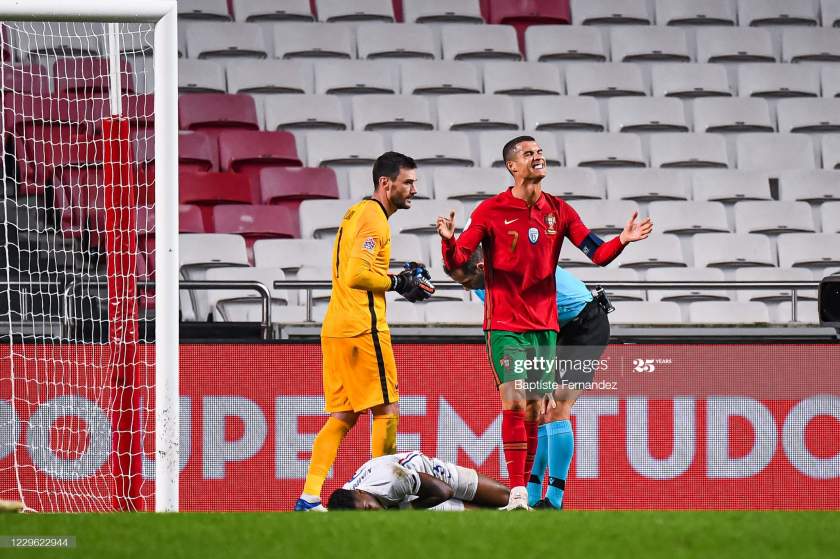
(636, 230)
(432, 492)
(457, 252)
(598, 251)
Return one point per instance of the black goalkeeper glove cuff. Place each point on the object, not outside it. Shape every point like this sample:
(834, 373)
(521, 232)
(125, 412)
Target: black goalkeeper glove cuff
(413, 283)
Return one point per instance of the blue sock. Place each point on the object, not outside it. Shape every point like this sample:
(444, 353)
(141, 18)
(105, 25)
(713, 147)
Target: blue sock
(561, 446)
(535, 483)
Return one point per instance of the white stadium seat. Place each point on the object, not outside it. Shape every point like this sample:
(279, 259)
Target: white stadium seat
(681, 150)
(732, 250)
(646, 114)
(778, 80)
(809, 115)
(404, 313)
(777, 12)
(683, 295)
(420, 218)
(320, 219)
(657, 251)
(611, 12)
(771, 217)
(244, 305)
(688, 218)
(435, 148)
(689, 80)
(732, 114)
(343, 148)
(562, 113)
(391, 112)
(605, 217)
(831, 151)
(355, 77)
(830, 214)
(691, 12)
(604, 80)
(400, 41)
(522, 78)
(358, 10)
(479, 42)
(648, 44)
(478, 112)
(574, 183)
(270, 76)
(272, 10)
(442, 11)
(466, 313)
(647, 185)
(808, 250)
(203, 10)
(810, 45)
(491, 143)
(775, 152)
(718, 185)
(595, 275)
(807, 312)
(830, 13)
(201, 76)
(291, 254)
(592, 149)
(305, 112)
(773, 274)
(209, 250)
(407, 248)
(440, 77)
(815, 186)
(470, 184)
(564, 43)
(727, 312)
(642, 312)
(830, 80)
(320, 297)
(360, 183)
(734, 44)
(313, 40)
(226, 40)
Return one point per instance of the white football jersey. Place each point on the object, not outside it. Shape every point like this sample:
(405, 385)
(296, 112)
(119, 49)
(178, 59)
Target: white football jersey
(390, 481)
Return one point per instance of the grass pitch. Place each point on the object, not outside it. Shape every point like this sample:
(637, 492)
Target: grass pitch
(478, 534)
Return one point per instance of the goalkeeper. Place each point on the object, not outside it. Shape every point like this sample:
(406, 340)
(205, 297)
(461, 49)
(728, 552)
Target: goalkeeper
(359, 371)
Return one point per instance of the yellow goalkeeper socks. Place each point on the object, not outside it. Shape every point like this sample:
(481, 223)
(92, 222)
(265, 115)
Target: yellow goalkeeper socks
(324, 450)
(383, 435)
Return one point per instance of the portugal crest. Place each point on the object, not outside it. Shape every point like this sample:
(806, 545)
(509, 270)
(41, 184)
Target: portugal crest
(551, 224)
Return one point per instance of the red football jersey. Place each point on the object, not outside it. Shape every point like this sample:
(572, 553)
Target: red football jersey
(521, 248)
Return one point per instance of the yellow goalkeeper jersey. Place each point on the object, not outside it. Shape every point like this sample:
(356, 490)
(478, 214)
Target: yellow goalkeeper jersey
(362, 244)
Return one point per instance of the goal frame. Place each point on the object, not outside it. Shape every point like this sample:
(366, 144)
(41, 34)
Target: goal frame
(164, 14)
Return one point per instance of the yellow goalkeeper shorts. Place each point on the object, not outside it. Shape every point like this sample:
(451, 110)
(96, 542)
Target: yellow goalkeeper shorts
(359, 372)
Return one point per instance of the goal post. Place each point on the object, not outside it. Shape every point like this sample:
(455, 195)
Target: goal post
(113, 218)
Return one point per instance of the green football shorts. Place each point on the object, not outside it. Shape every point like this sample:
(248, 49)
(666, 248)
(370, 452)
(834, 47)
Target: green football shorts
(523, 356)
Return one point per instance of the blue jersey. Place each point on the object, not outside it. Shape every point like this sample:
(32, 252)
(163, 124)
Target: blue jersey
(572, 295)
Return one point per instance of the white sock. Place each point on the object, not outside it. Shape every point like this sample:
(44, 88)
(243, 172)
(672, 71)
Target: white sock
(310, 498)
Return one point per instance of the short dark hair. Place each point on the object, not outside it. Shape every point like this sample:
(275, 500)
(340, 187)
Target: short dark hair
(342, 499)
(471, 267)
(510, 147)
(389, 165)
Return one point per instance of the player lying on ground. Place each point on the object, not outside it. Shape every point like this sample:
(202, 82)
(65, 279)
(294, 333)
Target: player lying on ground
(414, 480)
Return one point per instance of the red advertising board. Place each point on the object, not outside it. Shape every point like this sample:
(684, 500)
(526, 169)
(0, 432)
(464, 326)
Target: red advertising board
(670, 426)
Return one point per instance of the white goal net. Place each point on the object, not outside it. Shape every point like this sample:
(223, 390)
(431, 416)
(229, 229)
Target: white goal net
(77, 389)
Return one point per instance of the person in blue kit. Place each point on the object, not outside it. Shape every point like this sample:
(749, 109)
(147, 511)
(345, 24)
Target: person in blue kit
(584, 334)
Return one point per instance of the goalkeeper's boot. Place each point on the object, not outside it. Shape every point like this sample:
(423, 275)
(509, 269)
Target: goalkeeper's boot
(302, 505)
(518, 499)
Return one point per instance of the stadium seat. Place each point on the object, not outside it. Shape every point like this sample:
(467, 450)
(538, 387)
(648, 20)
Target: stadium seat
(136, 39)
(478, 112)
(26, 78)
(815, 186)
(831, 151)
(778, 80)
(198, 151)
(773, 274)
(727, 312)
(688, 218)
(291, 255)
(201, 76)
(491, 143)
(807, 312)
(442, 11)
(469, 184)
(190, 219)
(808, 250)
(686, 151)
(595, 275)
(529, 12)
(729, 186)
(561, 43)
(522, 78)
(774, 152)
(646, 313)
(319, 219)
(830, 214)
(269, 76)
(420, 218)
(732, 250)
(88, 77)
(611, 12)
(690, 12)
(562, 113)
(59, 39)
(605, 217)
(363, 76)
(648, 185)
(688, 81)
(435, 148)
(271, 11)
(732, 114)
(206, 190)
(320, 297)
(646, 114)
(440, 77)
(360, 185)
(203, 10)
(456, 313)
(657, 251)
(305, 112)
(400, 41)
(683, 295)
(734, 44)
(287, 186)
(592, 149)
(256, 222)
(391, 112)
(574, 183)
(343, 148)
(333, 11)
(244, 305)
(406, 249)
(604, 80)
(830, 13)
(226, 40)
(199, 252)
(479, 42)
(313, 40)
(755, 13)
(810, 45)
(809, 115)
(213, 112)
(648, 44)
(771, 217)
(246, 152)
(404, 313)
(830, 80)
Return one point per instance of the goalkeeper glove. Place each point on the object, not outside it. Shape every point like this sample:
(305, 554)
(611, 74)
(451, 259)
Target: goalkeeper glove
(413, 283)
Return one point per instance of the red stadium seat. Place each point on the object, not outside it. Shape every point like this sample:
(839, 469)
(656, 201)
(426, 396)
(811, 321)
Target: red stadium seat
(198, 152)
(523, 13)
(140, 109)
(85, 77)
(190, 220)
(79, 198)
(215, 112)
(256, 222)
(26, 78)
(207, 190)
(246, 152)
(289, 186)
